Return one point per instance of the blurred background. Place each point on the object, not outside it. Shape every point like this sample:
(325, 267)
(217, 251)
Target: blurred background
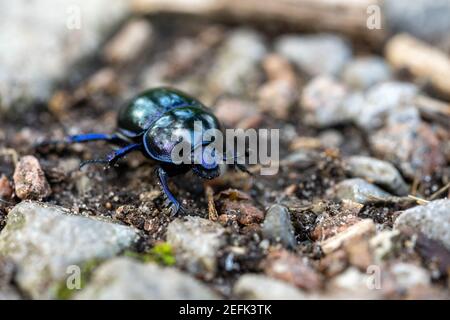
(359, 89)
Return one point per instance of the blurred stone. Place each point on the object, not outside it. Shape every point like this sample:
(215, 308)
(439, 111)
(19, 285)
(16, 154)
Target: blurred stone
(409, 143)
(195, 242)
(331, 138)
(354, 284)
(280, 92)
(328, 226)
(323, 100)
(359, 254)
(43, 39)
(231, 111)
(278, 227)
(236, 68)
(432, 219)
(288, 267)
(129, 42)
(427, 20)
(383, 99)
(126, 279)
(315, 54)
(260, 287)
(383, 244)
(333, 263)
(408, 275)
(360, 191)
(29, 179)
(363, 72)
(379, 172)
(238, 206)
(43, 240)
(6, 190)
(355, 232)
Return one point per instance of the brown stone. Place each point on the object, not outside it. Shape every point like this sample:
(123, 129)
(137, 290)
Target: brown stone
(29, 179)
(288, 267)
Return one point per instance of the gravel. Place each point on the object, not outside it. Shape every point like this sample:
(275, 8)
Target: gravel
(360, 191)
(379, 172)
(260, 287)
(43, 240)
(278, 227)
(126, 279)
(196, 241)
(432, 219)
(29, 179)
(315, 54)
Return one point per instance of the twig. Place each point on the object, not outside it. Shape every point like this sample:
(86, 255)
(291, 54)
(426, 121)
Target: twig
(212, 211)
(418, 200)
(439, 192)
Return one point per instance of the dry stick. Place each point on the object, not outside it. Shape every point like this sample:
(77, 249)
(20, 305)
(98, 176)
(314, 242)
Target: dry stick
(422, 60)
(418, 200)
(212, 211)
(439, 192)
(343, 16)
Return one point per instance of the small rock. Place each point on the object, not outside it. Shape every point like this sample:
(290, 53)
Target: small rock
(232, 111)
(236, 67)
(379, 172)
(410, 143)
(360, 191)
(408, 275)
(432, 219)
(383, 244)
(278, 227)
(288, 267)
(323, 101)
(6, 190)
(359, 254)
(129, 41)
(383, 99)
(355, 232)
(196, 242)
(43, 240)
(364, 72)
(328, 226)
(29, 179)
(315, 54)
(62, 32)
(125, 279)
(425, 19)
(238, 206)
(280, 93)
(354, 284)
(331, 138)
(260, 287)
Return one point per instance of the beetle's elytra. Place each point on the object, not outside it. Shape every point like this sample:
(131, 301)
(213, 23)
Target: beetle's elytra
(148, 124)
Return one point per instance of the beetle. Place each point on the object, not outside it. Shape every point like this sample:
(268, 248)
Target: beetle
(149, 123)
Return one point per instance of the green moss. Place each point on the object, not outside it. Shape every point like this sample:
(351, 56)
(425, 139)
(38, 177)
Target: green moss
(63, 292)
(161, 253)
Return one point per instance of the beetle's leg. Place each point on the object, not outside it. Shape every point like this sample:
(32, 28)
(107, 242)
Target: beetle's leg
(82, 138)
(92, 137)
(112, 157)
(163, 177)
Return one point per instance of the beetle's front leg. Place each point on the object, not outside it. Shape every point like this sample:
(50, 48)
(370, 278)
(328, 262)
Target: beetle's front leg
(163, 179)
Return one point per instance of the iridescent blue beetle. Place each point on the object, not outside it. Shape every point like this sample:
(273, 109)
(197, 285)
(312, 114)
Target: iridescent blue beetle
(148, 124)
